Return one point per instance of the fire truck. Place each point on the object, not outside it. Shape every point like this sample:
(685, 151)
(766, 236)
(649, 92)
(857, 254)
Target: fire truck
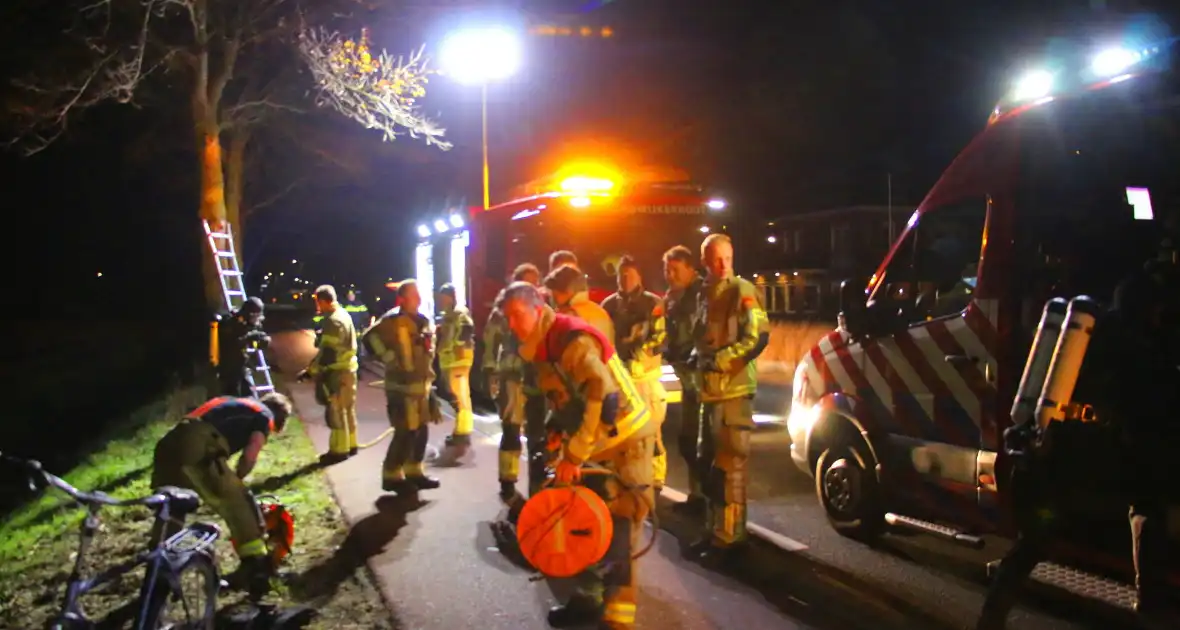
(899, 413)
(596, 211)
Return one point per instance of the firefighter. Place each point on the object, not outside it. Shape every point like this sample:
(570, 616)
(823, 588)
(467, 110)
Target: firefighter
(638, 318)
(403, 340)
(1137, 420)
(195, 454)
(562, 257)
(456, 354)
(513, 384)
(684, 289)
(361, 319)
(237, 336)
(733, 330)
(334, 369)
(602, 420)
(571, 296)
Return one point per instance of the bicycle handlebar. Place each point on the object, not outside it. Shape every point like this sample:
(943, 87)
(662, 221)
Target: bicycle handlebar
(35, 470)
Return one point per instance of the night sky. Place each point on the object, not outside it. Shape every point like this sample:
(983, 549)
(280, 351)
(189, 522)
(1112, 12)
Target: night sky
(784, 106)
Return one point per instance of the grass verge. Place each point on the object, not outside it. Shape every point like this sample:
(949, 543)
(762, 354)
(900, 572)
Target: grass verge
(38, 541)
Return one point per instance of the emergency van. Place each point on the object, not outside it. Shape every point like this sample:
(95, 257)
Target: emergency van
(593, 210)
(899, 414)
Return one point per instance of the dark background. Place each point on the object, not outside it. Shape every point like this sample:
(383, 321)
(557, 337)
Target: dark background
(781, 106)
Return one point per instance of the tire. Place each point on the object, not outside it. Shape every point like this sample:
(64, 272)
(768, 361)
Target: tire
(848, 491)
(163, 600)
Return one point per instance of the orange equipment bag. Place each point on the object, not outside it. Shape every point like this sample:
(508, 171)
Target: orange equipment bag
(565, 530)
(279, 527)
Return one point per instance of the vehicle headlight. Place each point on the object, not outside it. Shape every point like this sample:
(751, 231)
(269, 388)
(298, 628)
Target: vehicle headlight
(802, 418)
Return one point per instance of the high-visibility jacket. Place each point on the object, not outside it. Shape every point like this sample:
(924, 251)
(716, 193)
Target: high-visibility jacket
(638, 319)
(577, 364)
(405, 344)
(680, 314)
(732, 331)
(337, 351)
(359, 313)
(455, 339)
(583, 307)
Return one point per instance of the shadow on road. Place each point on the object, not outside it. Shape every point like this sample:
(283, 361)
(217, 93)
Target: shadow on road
(367, 538)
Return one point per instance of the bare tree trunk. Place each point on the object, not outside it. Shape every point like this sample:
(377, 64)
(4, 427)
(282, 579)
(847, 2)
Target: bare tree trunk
(212, 205)
(235, 164)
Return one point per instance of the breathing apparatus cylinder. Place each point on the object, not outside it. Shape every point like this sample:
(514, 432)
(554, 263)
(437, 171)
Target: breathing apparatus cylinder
(1068, 356)
(1024, 406)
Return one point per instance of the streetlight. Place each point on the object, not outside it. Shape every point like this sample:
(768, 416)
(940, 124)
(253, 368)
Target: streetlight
(479, 56)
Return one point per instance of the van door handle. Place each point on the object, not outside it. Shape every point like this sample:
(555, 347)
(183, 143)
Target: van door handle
(958, 360)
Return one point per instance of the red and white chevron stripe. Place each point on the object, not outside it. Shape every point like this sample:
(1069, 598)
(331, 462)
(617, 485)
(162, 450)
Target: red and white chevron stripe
(905, 384)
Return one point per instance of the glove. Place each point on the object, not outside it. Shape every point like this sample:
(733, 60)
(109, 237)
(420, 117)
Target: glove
(567, 472)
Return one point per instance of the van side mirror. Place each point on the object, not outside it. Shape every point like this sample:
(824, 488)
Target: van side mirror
(852, 308)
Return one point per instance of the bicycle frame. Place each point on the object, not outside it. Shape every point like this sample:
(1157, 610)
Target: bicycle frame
(167, 556)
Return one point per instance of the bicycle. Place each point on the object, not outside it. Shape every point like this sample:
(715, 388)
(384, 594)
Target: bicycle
(168, 562)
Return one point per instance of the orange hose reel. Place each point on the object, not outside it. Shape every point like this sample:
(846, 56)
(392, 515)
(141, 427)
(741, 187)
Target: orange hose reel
(279, 527)
(562, 531)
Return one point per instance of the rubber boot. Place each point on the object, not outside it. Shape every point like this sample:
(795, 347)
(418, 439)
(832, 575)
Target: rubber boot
(580, 610)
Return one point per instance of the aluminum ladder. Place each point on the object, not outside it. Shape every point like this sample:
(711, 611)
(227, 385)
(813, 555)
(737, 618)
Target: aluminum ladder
(233, 290)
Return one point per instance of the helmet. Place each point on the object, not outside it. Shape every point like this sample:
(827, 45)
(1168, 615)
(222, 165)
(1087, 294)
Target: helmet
(252, 306)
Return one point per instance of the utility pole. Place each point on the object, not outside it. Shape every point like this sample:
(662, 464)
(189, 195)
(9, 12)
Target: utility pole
(889, 202)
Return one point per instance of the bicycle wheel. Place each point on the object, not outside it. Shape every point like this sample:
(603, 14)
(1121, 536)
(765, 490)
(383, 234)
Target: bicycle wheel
(190, 608)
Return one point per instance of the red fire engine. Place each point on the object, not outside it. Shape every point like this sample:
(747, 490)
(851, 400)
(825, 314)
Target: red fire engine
(596, 212)
(900, 419)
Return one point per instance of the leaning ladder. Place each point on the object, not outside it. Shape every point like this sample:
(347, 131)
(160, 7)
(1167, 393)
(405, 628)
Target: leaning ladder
(233, 290)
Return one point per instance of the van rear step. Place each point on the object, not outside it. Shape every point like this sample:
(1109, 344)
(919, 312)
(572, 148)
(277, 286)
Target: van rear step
(934, 529)
(1080, 583)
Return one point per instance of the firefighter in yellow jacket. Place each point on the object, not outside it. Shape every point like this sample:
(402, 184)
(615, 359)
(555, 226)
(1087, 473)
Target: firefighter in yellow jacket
(732, 331)
(602, 420)
(334, 369)
(638, 318)
(403, 339)
(571, 296)
(455, 343)
(513, 385)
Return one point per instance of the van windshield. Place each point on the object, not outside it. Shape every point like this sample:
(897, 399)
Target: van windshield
(1099, 185)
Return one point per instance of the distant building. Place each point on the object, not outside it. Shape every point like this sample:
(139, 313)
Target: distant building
(806, 256)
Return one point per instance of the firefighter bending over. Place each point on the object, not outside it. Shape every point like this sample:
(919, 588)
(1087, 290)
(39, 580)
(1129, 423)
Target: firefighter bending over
(195, 454)
(638, 318)
(513, 385)
(456, 355)
(571, 296)
(334, 369)
(1056, 487)
(601, 419)
(732, 331)
(237, 336)
(403, 340)
(695, 442)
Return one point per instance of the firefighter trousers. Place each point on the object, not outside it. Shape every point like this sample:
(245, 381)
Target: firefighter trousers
(195, 455)
(1041, 522)
(731, 423)
(340, 410)
(409, 415)
(459, 384)
(656, 398)
(630, 497)
(520, 413)
(695, 441)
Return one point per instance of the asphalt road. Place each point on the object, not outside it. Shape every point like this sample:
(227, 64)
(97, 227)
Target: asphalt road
(438, 565)
(914, 581)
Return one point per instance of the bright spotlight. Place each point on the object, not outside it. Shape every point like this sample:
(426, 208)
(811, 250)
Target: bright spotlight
(704, 229)
(1113, 61)
(456, 221)
(481, 55)
(771, 239)
(423, 231)
(580, 202)
(716, 204)
(1033, 85)
(440, 226)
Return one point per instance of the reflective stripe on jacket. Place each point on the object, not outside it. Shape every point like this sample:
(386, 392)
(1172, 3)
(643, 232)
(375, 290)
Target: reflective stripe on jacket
(733, 330)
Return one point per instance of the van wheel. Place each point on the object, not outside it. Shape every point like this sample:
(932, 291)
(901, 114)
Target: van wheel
(848, 491)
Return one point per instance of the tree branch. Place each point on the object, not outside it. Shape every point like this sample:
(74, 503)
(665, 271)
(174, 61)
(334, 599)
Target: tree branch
(378, 93)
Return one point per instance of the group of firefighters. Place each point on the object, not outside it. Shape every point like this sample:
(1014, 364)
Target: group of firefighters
(582, 383)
